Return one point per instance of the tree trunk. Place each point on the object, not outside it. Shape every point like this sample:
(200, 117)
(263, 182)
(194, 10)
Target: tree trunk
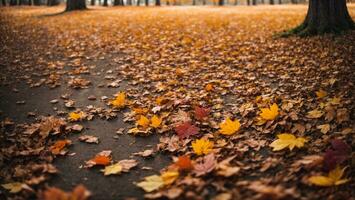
(253, 2)
(36, 2)
(204, 2)
(220, 2)
(138, 2)
(3, 2)
(52, 2)
(93, 2)
(105, 3)
(272, 2)
(146, 2)
(129, 2)
(325, 16)
(75, 5)
(157, 2)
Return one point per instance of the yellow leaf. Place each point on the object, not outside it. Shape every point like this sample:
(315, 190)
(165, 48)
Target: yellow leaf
(334, 178)
(202, 146)
(287, 140)
(314, 114)
(321, 94)
(169, 177)
(159, 100)
(151, 183)
(75, 116)
(14, 187)
(270, 113)
(143, 121)
(112, 169)
(324, 128)
(229, 127)
(119, 101)
(155, 121)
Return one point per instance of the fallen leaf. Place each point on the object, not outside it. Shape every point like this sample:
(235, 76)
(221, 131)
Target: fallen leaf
(58, 146)
(14, 187)
(151, 183)
(287, 140)
(321, 94)
(269, 113)
(202, 146)
(201, 113)
(119, 101)
(76, 116)
(143, 122)
(334, 178)
(208, 165)
(112, 169)
(89, 139)
(229, 127)
(169, 177)
(184, 163)
(314, 114)
(186, 129)
(155, 121)
(336, 155)
(324, 128)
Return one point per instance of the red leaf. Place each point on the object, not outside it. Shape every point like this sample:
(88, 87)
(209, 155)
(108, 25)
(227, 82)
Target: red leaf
(336, 155)
(201, 113)
(184, 163)
(186, 129)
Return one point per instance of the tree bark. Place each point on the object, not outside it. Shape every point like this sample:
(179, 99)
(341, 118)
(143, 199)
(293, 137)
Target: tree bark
(105, 3)
(36, 2)
(325, 16)
(75, 5)
(93, 2)
(220, 2)
(146, 2)
(138, 2)
(272, 2)
(157, 2)
(3, 2)
(253, 2)
(129, 2)
(52, 2)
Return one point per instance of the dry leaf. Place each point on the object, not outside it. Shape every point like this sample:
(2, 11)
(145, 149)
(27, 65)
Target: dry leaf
(287, 140)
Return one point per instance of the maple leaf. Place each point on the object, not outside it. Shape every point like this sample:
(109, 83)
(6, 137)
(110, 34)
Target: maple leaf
(287, 140)
(76, 116)
(155, 121)
(201, 113)
(169, 177)
(119, 101)
(208, 164)
(151, 183)
(269, 113)
(112, 169)
(127, 164)
(334, 178)
(336, 155)
(58, 146)
(143, 121)
(184, 163)
(229, 127)
(202, 146)
(186, 129)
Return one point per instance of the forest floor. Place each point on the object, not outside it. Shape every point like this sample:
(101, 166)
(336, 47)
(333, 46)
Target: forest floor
(196, 96)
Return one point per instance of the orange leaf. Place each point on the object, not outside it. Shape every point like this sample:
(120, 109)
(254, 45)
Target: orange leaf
(184, 163)
(57, 147)
(101, 160)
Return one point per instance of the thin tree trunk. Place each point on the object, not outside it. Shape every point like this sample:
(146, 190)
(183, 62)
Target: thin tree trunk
(146, 2)
(253, 2)
(129, 2)
(93, 2)
(138, 2)
(157, 2)
(325, 16)
(3, 2)
(220, 2)
(272, 2)
(105, 3)
(75, 5)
